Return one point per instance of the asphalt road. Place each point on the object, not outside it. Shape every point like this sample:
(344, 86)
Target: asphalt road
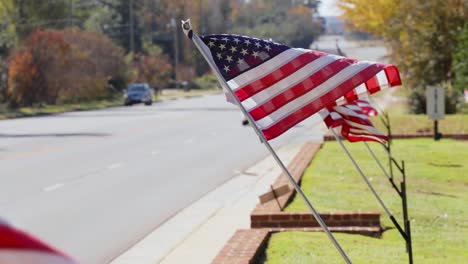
(94, 183)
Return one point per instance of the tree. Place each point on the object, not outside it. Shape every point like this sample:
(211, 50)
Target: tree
(460, 63)
(288, 22)
(421, 34)
(63, 66)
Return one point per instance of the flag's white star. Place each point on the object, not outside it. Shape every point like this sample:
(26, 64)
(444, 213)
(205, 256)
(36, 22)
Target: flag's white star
(255, 54)
(240, 61)
(236, 40)
(225, 39)
(233, 49)
(244, 52)
(229, 58)
(257, 44)
(211, 44)
(247, 42)
(219, 55)
(222, 47)
(267, 47)
(226, 68)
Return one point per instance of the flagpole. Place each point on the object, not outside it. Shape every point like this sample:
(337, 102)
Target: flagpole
(390, 215)
(382, 168)
(189, 32)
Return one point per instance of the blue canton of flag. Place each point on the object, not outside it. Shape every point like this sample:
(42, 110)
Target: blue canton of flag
(235, 54)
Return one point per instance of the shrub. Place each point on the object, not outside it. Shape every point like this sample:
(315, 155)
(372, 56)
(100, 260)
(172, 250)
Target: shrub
(45, 52)
(207, 81)
(63, 66)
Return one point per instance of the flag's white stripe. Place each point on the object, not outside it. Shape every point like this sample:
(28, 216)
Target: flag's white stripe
(324, 113)
(382, 78)
(312, 95)
(348, 110)
(11, 256)
(370, 129)
(265, 68)
(283, 85)
(361, 89)
(353, 107)
(335, 116)
(382, 141)
(351, 110)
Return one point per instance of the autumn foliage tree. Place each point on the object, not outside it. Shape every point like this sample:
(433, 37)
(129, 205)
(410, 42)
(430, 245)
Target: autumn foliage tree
(153, 69)
(63, 66)
(421, 34)
(29, 79)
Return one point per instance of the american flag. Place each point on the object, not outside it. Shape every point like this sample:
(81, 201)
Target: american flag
(352, 122)
(18, 247)
(280, 86)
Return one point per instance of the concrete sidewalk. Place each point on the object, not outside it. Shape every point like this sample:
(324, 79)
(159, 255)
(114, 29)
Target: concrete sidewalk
(199, 232)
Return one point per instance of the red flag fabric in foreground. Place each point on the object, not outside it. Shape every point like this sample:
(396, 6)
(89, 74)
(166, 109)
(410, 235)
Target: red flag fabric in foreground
(17, 247)
(352, 122)
(281, 86)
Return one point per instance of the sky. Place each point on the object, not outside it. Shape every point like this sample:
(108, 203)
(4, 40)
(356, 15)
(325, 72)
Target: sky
(329, 8)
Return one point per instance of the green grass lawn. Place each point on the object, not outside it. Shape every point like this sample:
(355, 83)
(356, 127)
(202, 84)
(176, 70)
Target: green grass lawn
(437, 188)
(403, 123)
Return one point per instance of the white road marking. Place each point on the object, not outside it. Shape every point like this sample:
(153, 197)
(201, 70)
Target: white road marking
(114, 166)
(53, 187)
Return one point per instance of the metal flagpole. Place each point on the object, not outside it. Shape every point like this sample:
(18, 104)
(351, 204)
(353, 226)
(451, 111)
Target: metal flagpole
(403, 196)
(382, 168)
(390, 215)
(205, 52)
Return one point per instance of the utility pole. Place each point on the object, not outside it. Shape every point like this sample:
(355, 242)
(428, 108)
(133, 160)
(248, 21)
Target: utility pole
(70, 13)
(176, 52)
(132, 37)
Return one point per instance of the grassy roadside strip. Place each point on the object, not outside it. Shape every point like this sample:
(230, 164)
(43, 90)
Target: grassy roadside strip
(6, 113)
(437, 205)
(403, 123)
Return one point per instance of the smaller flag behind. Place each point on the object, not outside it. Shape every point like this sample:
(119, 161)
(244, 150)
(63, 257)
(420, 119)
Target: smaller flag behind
(352, 121)
(18, 247)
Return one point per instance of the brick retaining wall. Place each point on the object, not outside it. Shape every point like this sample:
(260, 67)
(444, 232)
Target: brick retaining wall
(244, 247)
(306, 219)
(330, 137)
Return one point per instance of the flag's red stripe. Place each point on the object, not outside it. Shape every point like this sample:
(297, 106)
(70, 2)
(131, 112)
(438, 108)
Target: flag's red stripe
(11, 238)
(362, 136)
(372, 85)
(351, 96)
(313, 107)
(277, 75)
(393, 75)
(364, 132)
(330, 122)
(300, 89)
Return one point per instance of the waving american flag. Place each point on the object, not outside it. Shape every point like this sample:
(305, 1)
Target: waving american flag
(18, 247)
(352, 122)
(280, 86)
